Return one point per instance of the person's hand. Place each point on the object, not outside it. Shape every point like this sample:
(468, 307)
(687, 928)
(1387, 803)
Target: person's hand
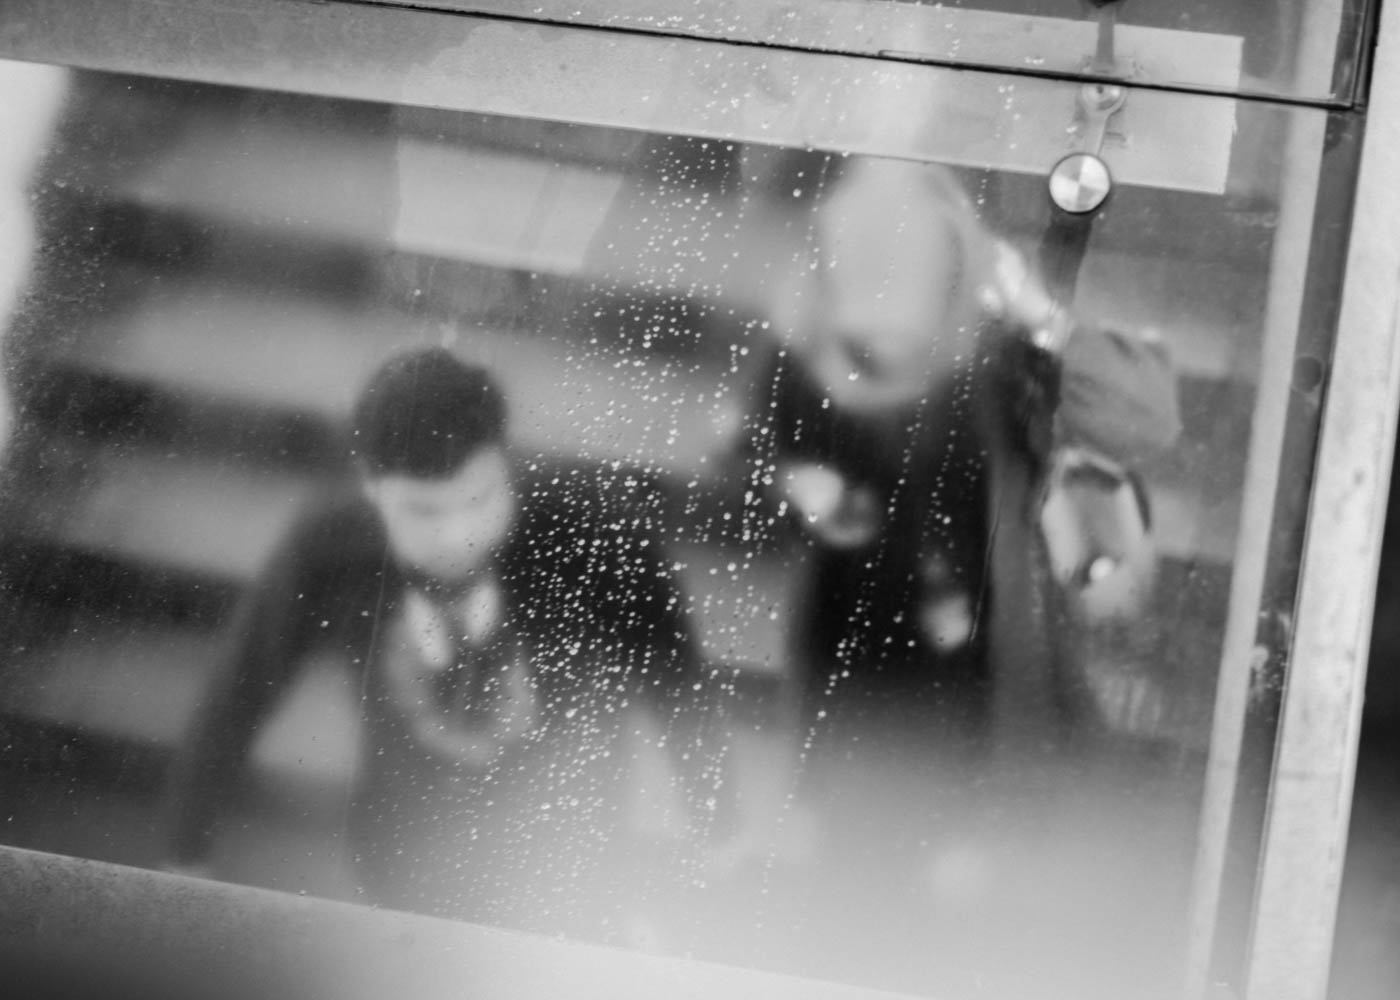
(476, 746)
(1014, 293)
(837, 513)
(947, 620)
(813, 490)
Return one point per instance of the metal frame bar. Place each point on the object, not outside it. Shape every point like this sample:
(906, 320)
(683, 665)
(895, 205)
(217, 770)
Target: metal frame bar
(1314, 769)
(1292, 242)
(954, 36)
(703, 88)
(1292, 245)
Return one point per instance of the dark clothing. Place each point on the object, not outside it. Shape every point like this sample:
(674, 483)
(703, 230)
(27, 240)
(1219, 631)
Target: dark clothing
(955, 477)
(590, 604)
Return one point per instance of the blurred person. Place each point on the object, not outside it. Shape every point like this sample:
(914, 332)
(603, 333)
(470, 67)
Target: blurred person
(921, 386)
(509, 630)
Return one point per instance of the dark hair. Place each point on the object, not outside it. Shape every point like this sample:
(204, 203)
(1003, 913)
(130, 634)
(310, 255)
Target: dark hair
(424, 414)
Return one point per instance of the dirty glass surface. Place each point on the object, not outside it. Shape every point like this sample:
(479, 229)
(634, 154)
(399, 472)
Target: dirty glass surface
(864, 531)
(1308, 50)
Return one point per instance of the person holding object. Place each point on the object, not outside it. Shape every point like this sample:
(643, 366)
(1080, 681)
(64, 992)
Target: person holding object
(919, 382)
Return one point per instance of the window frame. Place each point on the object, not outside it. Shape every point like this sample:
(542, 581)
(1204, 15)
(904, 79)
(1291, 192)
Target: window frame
(1308, 810)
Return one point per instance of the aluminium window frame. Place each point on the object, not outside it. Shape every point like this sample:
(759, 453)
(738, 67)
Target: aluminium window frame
(1310, 791)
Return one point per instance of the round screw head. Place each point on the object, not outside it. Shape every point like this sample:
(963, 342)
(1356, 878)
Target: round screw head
(1080, 183)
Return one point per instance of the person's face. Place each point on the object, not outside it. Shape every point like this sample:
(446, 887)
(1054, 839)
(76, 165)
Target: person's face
(885, 267)
(447, 528)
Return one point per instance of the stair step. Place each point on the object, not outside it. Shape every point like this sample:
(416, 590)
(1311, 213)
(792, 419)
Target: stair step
(136, 683)
(360, 184)
(305, 356)
(126, 683)
(455, 199)
(217, 515)
(408, 187)
(182, 513)
(494, 207)
(140, 685)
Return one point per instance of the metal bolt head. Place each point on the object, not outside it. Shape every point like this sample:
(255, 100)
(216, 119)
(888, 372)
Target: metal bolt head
(1080, 183)
(1102, 96)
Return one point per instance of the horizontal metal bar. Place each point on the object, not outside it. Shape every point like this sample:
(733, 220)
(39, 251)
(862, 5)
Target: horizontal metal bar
(736, 93)
(949, 35)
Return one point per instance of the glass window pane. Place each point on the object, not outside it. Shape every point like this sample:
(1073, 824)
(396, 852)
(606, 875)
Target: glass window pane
(775, 553)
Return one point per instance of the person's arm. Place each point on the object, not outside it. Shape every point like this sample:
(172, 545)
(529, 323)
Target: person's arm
(1111, 391)
(439, 686)
(267, 640)
(1117, 394)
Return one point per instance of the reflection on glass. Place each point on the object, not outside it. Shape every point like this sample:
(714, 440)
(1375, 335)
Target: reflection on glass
(752, 554)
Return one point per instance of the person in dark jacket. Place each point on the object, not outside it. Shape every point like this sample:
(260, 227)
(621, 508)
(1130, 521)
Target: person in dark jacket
(919, 382)
(506, 627)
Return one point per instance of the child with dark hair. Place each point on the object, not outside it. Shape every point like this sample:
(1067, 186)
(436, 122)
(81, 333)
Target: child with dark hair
(424, 413)
(507, 629)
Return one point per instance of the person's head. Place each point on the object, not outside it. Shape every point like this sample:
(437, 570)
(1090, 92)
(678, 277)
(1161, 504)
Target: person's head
(429, 437)
(886, 299)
